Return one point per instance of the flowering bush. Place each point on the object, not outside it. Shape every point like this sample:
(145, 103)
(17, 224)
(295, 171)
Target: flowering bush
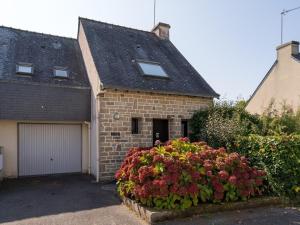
(181, 174)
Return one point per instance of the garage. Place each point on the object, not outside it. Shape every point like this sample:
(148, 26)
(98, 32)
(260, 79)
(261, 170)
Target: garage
(45, 149)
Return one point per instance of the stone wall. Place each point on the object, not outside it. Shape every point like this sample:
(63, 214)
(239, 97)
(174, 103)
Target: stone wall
(115, 133)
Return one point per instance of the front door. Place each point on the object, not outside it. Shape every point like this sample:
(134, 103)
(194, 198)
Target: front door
(160, 130)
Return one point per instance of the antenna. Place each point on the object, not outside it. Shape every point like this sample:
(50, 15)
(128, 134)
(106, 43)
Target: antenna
(154, 13)
(283, 13)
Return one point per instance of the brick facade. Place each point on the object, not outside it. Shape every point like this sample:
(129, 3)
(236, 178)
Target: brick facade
(117, 108)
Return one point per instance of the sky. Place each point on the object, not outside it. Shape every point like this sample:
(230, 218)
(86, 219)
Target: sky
(231, 43)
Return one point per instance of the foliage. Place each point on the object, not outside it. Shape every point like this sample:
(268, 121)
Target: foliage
(181, 174)
(219, 124)
(279, 156)
(285, 121)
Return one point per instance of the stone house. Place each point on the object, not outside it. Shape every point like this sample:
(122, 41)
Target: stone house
(280, 86)
(130, 87)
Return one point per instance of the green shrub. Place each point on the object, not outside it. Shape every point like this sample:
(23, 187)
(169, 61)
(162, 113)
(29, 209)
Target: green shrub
(219, 124)
(284, 122)
(278, 155)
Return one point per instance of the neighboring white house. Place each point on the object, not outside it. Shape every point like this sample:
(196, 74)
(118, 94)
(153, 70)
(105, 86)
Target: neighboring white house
(281, 84)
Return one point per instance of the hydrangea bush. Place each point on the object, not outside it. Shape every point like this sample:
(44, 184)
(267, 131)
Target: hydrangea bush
(181, 174)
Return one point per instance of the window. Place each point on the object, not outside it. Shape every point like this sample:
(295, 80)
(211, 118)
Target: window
(184, 128)
(61, 72)
(134, 125)
(152, 69)
(24, 68)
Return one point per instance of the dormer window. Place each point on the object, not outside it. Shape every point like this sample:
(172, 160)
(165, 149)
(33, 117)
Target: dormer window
(24, 68)
(152, 69)
(60, 72)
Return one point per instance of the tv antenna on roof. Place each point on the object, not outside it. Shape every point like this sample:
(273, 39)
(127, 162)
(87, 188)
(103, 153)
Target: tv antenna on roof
(154, 18)
(283, 13)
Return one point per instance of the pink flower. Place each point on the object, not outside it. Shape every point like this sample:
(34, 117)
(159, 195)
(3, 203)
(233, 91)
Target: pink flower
(223, 175)
(184, 139)
(209, 173)
(157, 143)
(232, 180)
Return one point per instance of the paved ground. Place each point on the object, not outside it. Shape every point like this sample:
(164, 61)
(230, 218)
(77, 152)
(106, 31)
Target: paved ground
(76, 200)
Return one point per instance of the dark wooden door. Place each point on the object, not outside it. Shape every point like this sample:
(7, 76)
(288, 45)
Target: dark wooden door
(160, 130)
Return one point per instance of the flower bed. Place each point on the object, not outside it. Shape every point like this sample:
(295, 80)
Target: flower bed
(181, 174)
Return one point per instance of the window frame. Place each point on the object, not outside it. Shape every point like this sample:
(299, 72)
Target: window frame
(135, 125)
(58, 68)
(21, 64)
(166, 76)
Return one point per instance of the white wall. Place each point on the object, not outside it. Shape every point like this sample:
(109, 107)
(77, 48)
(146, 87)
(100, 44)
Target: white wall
(9, 142)
(95, 88)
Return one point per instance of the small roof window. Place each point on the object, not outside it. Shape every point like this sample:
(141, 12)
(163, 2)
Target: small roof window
(61, 72)
(152, 69)
(24, 68)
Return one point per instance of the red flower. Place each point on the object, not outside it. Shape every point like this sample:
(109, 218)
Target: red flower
(261, 173)
(258, 182)
(158, 158)
(209, 173)
(223, 175)
(195, 175)
(184, 139)
(232, 180)
(207, 165)
(193, 189)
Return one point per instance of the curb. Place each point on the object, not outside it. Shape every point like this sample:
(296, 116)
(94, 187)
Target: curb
(153, 215)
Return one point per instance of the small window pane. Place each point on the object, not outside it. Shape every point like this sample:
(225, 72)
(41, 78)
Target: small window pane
(60, 73)
(184, 128)
(135, 126)
(152, 69)
(24, 69)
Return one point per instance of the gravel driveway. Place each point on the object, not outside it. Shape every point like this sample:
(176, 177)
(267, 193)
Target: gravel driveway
(76, 200)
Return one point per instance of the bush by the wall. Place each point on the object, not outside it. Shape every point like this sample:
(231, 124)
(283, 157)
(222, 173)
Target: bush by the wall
(219, 124)
(278, 155)
(181, 174)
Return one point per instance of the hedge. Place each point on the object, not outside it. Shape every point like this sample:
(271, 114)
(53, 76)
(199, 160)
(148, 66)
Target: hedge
(278, 155)
(183, 174)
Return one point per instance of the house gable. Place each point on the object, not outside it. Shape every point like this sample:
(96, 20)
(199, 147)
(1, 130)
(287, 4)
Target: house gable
(281, 83)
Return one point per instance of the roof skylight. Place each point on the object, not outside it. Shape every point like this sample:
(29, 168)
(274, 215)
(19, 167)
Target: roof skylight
(152, 69)
(24, 68)
(61, 72)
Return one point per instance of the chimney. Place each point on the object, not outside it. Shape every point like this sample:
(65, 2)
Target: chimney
(288, 49)
(162, 30)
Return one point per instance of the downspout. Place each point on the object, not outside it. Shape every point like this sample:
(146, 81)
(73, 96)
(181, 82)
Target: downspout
(97, 139)
(89, 148)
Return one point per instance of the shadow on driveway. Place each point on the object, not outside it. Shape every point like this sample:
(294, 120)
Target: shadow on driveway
(35, 197)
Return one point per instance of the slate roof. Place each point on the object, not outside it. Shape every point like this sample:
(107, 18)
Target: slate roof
(41, 96)
(44, 52)
(116, 49)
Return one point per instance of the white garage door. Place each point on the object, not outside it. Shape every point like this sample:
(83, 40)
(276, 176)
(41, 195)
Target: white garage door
(49, 149)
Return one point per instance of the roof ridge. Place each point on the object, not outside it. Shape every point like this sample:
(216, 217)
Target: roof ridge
(116, 25)
(35, 32)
